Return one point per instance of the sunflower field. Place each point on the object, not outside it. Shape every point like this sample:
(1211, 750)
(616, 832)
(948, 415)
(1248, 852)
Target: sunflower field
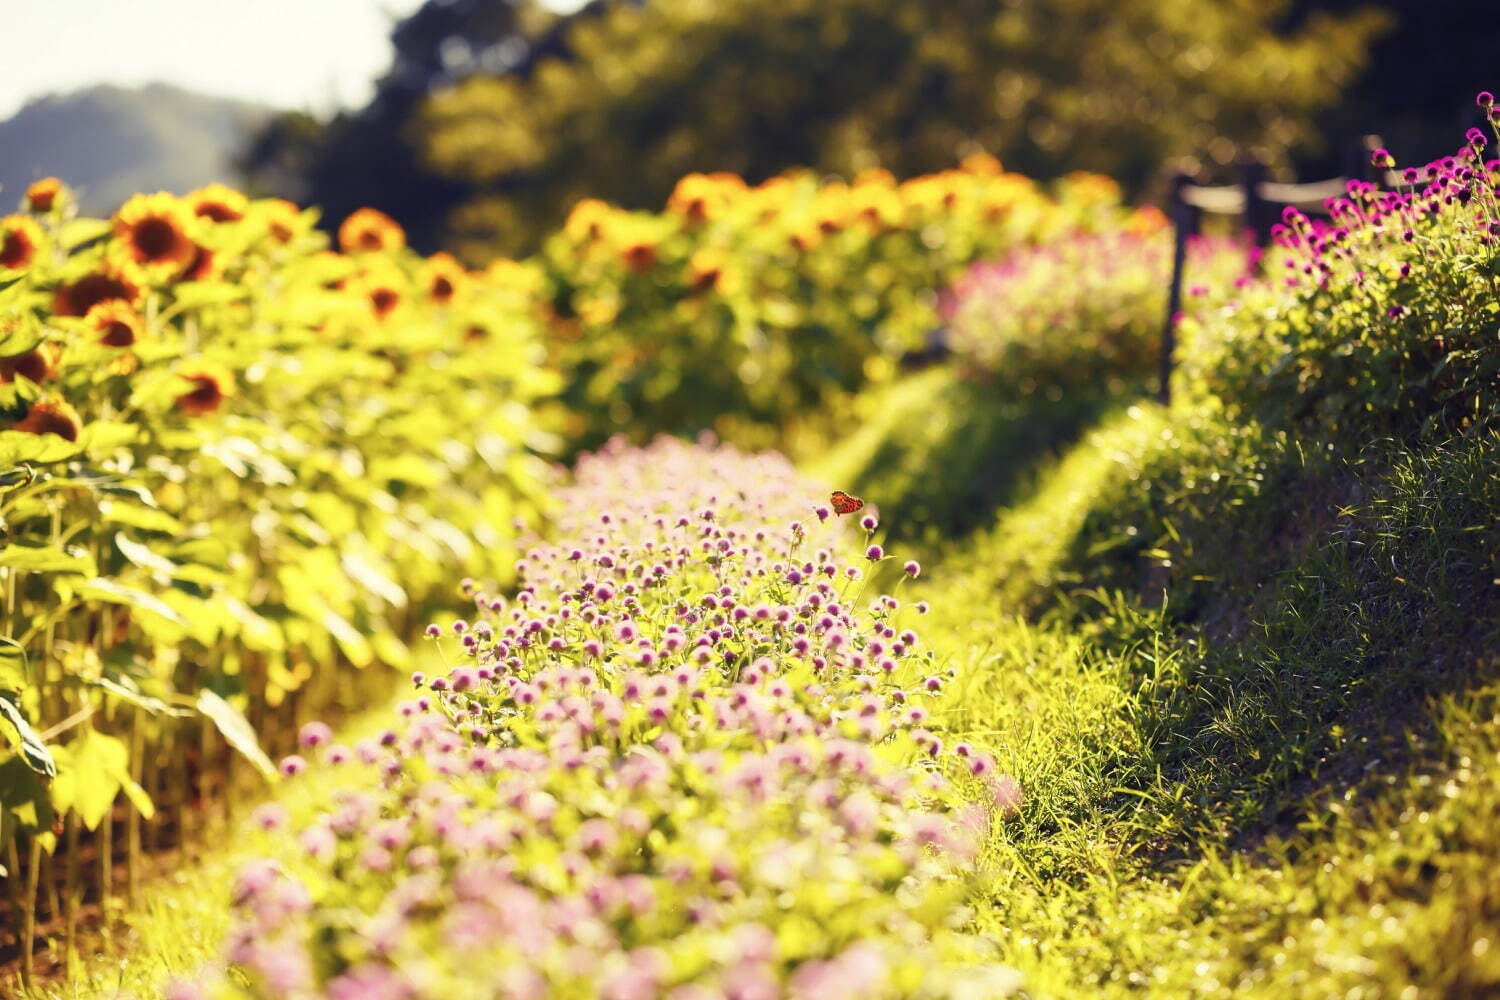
(224, 497)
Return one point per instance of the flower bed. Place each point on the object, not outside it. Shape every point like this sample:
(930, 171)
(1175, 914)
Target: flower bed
(692, 756)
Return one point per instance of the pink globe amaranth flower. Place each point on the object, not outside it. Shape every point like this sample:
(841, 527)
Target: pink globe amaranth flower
(1485, 99)
(912, 568)
(181, 989)
(874, 553)
(271, 816)
(314, 734)
(433, 631)
(1008, 795)
(868, 522)
(292, 765)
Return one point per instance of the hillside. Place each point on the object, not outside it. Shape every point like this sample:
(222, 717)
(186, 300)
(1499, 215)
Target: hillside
(109, 142)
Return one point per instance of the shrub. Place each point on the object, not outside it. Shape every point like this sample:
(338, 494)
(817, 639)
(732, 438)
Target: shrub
(1382, 320)
(1086, 309)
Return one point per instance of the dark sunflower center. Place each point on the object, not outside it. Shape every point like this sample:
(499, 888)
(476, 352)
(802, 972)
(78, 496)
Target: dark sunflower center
(155, 238)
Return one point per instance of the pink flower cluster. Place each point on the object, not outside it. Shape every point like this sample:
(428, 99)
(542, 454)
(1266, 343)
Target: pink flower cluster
(1084, 306)
(1377, 320)
(690, 756)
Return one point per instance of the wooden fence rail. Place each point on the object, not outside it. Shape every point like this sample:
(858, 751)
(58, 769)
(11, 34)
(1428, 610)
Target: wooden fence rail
(1259, 202)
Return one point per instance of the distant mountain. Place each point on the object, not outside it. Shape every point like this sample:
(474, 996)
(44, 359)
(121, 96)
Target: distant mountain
(111, 142)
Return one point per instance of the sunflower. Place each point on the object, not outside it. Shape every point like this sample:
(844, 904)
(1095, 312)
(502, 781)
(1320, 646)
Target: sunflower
(699, 197)
(217, 203)
(203, 265)
(105, 285)
(639, 256)
(20, 237)
(211, 386)
(117, 324)
(443, 277)
(369, 230)
(153, 229)
(383, 300)
(38, 364)
(283, 220)
(586, 221)
(982, 165)
(704, 272)
(51, 416)
(42, 194)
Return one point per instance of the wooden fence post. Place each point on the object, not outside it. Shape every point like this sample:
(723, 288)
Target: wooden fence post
(1183, 218)
(1257, 210)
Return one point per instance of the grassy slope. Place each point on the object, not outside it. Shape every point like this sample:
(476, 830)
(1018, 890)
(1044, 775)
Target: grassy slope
(1256, 707)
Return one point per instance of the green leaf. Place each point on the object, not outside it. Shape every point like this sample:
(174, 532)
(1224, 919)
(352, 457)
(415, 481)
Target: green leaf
(143, 518)
(90, 785)
(25, 739)
(142, 556)
(18, 446)
(107, 435)
(15, 669)
(46, 559)
(125, 689)
(192, 294)
(14, 479)
(25, 796)
(236, 730)
(350, 639)
(167, 621)
(99, 767)
(367, 575)
(257, 632)
(78, 232)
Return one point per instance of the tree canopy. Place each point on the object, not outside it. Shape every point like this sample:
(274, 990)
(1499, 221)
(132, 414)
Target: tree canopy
(498, 116)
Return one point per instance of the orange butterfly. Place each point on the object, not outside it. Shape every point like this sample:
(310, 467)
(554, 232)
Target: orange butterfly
(844, 503)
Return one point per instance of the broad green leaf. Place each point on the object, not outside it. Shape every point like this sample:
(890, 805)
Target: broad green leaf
(143, 518)
(46, 559)
(367, 575)
(193, 294)
(18, 446)
(100, 766)
(14, 479)
(107, 435)
(236, 730)
(78, 232)
(25, 739)
(125, 689)
(96, 760)
(256, 631)
(15, 669)
(25, 796)
(350, 639)
(142, 556)
(390, 650)
(159, 618)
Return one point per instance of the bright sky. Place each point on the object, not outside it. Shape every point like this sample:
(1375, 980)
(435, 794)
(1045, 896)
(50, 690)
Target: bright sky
(311, 54)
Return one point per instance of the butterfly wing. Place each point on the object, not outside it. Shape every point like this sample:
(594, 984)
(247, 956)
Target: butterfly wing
(844, 503)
